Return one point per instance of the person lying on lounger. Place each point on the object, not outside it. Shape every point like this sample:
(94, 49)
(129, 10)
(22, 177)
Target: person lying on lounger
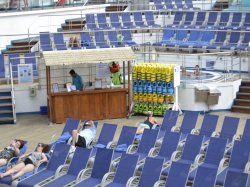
(10, 151)
(28, 162)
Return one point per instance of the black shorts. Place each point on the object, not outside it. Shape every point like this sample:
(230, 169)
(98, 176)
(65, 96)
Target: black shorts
(81, 142)
(28, 161)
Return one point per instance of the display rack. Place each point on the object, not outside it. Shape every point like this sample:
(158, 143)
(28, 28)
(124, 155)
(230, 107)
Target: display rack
(153, 87)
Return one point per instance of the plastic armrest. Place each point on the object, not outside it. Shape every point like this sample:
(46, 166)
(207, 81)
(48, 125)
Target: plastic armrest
(108, 177)
(195, 131)
(83, 174)
(11, 162)
(247, 168)
(154, 151)
(176, 155)
(52, 139)
(132, 149)
(223, 163)
(61, 169)
(237, 137)
(132, 181)
(41, 166)
(159, 183)
(111, 145)
(215, 134)
(175, 129)
(199, 159)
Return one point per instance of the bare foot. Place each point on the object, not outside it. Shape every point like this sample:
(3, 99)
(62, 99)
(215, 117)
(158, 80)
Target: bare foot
(1, 175)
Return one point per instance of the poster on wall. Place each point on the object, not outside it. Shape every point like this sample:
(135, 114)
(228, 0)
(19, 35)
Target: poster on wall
(177, 76)
(102, 70)
(25, 73)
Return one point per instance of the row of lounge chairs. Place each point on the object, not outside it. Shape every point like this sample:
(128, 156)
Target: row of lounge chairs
(184, 155)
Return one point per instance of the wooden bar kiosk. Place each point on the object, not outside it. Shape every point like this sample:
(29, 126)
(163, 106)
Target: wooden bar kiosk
(89, 104)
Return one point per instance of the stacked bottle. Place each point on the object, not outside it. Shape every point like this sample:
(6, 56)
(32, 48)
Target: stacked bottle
(152, 87)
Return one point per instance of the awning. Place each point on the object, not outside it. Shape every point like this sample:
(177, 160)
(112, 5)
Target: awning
(69, 57)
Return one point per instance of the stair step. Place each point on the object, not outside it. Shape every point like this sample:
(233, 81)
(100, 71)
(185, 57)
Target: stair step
(241, 109)
(243, 96)
(245, 83)
(244, 89)
(6, 119)
(4, 97)
(242, 102)
(5, 104)
(5, 111)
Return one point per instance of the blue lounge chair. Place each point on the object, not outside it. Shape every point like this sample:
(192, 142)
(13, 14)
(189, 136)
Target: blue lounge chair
(158, 5)
(126, 21)
(126, 139)
(168, 33)
(188, 123)
(102, 21)
(205, 177)
(237, 162)
(200, 19)
(178, 174)
(90, 22)
(14, 59)
(100, 167)
(212, 18)
(191, 149)
(127, 38)
(150, 19)
(78, 163)
(168, 4)
(59, 41)
(245, 43)
(188, 19)
(189, 4)
(236, 20)
(246, 23)
(178, 4)
(114, 20)
(30, 58)
(236, 179)
(138, 20)
(246, 133)
(214, 154)
(169, 121)
(224, 19)
(125, 170)
(86, 40)
(105, 138)
(2, 68)
(147, 142)
(233, 41)
(45, 42)
(177, 19)
(208, 126)
(219, 41)
(168, 147)
(59, 156)
(150, 174)
(229, 128)
(193, 39)
(205, 40)
(113, 39)
(100, 40)
(180, 36)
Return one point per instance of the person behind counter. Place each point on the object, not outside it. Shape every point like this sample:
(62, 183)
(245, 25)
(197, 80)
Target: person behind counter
(76, 80)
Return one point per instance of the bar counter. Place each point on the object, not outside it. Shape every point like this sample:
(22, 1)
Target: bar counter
(88, 104)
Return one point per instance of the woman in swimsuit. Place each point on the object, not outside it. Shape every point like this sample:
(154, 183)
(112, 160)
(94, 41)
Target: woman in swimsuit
(149, 123)
(10, 151)
(28, 163)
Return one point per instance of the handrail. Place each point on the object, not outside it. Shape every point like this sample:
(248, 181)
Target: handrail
(12, 93)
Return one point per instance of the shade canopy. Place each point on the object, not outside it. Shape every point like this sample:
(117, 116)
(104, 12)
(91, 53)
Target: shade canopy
(70, 57)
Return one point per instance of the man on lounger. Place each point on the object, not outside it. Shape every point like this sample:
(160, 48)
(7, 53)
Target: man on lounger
(84, 134)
